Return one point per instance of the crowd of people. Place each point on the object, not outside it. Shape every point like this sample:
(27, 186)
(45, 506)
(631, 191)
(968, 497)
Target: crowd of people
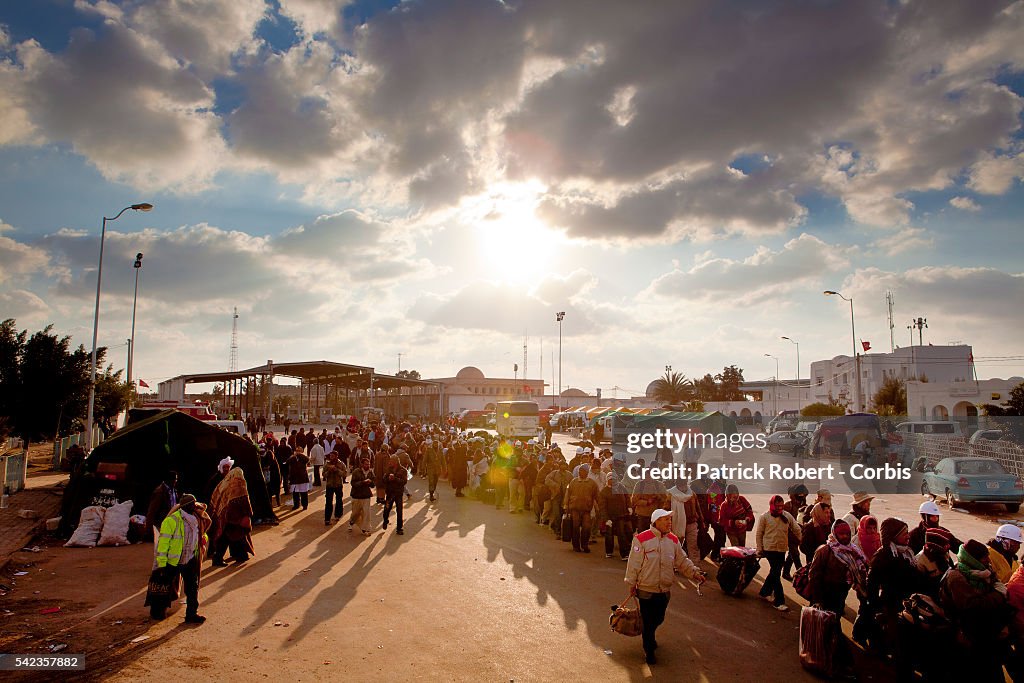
(913, 585)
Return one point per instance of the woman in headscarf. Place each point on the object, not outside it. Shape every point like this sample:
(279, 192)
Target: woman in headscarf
(893, 578)
(835, 568)
(868, 539)
(815, 532)
(232, 519)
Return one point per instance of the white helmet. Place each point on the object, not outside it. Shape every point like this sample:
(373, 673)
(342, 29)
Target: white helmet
(588, 450)
(1010, 532)
(929, 508)
(519, 443)
(579, 450)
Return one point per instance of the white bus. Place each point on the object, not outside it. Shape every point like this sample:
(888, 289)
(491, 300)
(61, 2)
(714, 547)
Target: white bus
(517, 419)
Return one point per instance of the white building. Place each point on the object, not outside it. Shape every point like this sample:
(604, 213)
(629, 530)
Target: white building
(836, 378)
(470, 390)
(942, 401)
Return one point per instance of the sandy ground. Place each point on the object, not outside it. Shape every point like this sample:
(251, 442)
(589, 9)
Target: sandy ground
(469, 593)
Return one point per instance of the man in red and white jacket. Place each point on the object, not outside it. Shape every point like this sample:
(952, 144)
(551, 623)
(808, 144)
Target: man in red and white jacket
(654, 558)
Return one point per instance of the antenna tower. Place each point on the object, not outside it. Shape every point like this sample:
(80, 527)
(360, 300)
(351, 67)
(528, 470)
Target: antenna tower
(233, 360)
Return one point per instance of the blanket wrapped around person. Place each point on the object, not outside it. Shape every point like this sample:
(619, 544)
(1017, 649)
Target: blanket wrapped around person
(231, 511)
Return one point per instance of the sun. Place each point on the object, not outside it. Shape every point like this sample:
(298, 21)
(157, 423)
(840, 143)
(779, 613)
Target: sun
(512, 242)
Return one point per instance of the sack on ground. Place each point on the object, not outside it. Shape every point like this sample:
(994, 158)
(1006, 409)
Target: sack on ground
(627, 620)
(818, 640)
(737, 569)
(90, 524)
(115, 524)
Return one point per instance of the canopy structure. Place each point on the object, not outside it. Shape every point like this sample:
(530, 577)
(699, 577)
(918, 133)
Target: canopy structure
(322, 384)
(620, 425)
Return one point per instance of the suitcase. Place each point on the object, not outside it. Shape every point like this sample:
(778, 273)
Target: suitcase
(818, 629)
(566, 528)
(737, 569)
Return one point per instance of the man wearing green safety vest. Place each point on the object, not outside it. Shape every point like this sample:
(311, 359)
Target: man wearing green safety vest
(179, 552)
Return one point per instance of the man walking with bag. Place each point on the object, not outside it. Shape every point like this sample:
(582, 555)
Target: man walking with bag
(650, 573)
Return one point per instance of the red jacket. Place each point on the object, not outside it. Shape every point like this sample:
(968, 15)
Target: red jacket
(733, 512)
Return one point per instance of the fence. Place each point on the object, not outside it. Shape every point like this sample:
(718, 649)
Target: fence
(14, 466)
(61, 446)
(935, 447)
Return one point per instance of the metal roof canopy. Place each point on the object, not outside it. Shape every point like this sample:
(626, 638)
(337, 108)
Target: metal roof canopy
(321, 371)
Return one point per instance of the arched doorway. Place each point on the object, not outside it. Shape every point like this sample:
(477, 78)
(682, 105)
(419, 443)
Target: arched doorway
(939, 412)
(966, 414)
(757, 417)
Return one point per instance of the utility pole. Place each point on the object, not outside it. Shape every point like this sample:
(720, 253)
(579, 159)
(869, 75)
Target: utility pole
(559, 316)
(921, 324)
(892, 326)
(233, 357)
(399, 362)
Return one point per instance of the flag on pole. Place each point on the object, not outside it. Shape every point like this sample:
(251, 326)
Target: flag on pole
(142, 383)
(865, 344)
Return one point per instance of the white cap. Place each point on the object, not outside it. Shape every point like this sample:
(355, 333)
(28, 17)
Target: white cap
(658, 514)
(226, 461)
(588, 450)
(929, 508)
(1010, 532)
(579, 450)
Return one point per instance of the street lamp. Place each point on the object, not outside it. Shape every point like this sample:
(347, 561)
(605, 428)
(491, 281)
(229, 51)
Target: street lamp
(558, 317)
(799, 397)
(96, 320)
(775, 394)
(856, 357)
(135, 300)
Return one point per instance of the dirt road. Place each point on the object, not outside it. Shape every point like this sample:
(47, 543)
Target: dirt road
(469, 593)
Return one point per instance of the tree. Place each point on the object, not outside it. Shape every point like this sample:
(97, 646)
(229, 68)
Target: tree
(705, 388)
(891, 398)
(673, 387)
(729, 381)
(830, 409)
(1013, 409)
(695, 406)
(408, 374)
(112, 396)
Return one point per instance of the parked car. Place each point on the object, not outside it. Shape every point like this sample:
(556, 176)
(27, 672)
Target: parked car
(941, 427)
(787, 441)
(973, 480)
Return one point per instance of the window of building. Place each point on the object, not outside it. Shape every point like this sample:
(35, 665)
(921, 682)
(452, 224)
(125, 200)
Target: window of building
(820, 380)
(846, 378)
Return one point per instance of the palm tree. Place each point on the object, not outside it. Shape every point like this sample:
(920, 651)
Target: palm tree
(673, 388)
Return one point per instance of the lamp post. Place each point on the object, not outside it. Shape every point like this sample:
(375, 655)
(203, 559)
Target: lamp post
(856, 356)
(135, 300)
(775, 384)
(96, 320)
(558, 317)
(799, 396)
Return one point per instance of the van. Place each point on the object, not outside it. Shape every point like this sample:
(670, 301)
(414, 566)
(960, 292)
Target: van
(944, 427)
(233, 426)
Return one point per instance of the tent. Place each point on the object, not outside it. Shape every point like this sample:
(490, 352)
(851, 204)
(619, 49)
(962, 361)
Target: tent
(622, 425)
(840, 435)
(154, 445)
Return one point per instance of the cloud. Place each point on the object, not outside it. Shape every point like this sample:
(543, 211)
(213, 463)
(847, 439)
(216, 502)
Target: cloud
(907, 239)
(964, 204)
(20, 303)
(18, 260)
(996, 174)
(766, 273)
(556, 290)
(120, 101)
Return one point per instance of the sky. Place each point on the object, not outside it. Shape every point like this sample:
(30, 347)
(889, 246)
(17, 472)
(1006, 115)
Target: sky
(438, 178)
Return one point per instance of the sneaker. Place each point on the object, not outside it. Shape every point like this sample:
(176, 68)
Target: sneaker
(327, 522)
(782, 608)
(766, 598)
(625, 559)
(367, 533)
(194, 619)
(350, 528)
(608, 556)
(399, 532)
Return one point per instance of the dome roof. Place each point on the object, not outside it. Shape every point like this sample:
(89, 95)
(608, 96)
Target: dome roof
(574, 392)
(469, 372)
(649, 393)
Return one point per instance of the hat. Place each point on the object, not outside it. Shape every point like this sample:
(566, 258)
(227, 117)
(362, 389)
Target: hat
(976, 549)
(658, 514)
(588, 449)
(890, 528)
(579, 450)
(938, 536)
(861, 497)
(187, 499)
(226, 461)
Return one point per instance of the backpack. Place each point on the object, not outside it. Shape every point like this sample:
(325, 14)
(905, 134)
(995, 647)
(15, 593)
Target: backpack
(802, 582)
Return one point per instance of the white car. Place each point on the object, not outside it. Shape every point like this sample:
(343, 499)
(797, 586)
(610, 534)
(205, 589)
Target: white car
(787, 441)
